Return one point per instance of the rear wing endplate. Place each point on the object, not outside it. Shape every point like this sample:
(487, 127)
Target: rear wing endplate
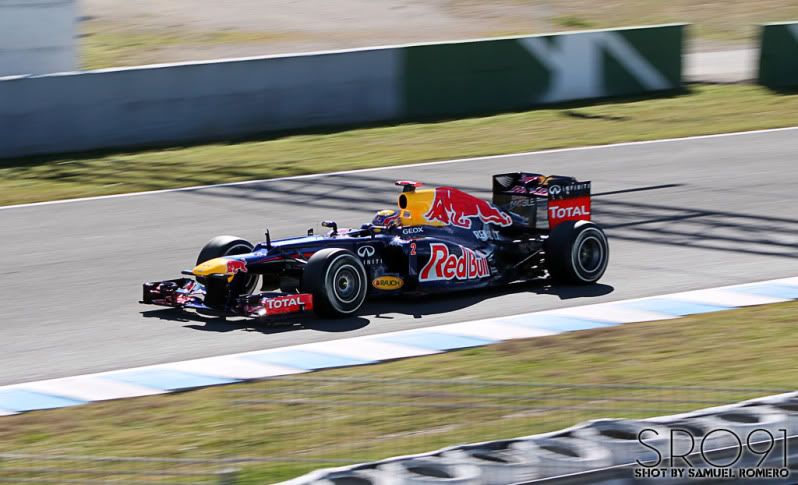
(541, 201)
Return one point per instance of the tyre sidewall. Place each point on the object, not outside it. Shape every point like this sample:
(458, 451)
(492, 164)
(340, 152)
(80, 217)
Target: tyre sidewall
(562, 252)
(340, 264)
(588, 234)
(319, 279)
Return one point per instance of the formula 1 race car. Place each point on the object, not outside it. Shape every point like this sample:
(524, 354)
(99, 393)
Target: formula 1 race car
(436, 240)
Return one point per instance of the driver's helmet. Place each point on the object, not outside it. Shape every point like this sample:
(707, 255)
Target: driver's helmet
(386, 218)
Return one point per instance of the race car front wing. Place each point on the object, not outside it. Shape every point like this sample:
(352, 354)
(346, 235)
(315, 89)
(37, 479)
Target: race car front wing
(188, 293)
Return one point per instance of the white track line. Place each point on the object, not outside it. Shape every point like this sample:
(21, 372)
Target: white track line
(391, 167)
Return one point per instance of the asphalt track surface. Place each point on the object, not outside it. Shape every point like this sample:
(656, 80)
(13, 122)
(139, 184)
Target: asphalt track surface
(681, 215)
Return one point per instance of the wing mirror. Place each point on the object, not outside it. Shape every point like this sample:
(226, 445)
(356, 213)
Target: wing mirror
(332, 225)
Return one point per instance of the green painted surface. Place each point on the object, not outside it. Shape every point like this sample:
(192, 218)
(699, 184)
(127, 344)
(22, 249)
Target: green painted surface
(778, 56)
(471, 77)
(661, 47)
(447, 80)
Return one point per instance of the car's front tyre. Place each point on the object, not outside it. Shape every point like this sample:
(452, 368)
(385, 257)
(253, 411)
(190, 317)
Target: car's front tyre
(221, 246)
(337, 280)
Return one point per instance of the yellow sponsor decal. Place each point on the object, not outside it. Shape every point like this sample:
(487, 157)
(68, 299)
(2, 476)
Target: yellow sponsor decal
(388, 283)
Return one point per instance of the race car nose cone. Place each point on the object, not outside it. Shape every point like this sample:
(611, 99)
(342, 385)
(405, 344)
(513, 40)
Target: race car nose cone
(226, 266)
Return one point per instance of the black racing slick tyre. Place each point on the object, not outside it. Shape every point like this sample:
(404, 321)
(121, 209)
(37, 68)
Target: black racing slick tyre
(577, 252)
(337, 280)
(228, 246)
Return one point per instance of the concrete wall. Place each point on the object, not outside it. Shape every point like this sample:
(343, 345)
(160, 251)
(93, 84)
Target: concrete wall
(196, 102)
(193, 102)
(37, 36)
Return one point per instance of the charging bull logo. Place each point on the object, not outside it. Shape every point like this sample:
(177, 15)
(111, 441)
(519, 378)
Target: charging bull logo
(443, 265)
(235, 265)
(455, 207)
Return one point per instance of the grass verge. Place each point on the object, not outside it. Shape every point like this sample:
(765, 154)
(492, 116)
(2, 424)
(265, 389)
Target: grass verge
(316, 416)
(705, 110)
(108, 44)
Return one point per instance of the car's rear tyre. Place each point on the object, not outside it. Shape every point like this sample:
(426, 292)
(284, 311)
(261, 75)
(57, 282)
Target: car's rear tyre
(221, 246)
(337, 280)
(577, 252)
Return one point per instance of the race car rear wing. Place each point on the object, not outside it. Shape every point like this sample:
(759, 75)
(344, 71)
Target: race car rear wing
(542, 202)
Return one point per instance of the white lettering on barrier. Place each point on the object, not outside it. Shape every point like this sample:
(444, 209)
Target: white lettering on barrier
(576, 68)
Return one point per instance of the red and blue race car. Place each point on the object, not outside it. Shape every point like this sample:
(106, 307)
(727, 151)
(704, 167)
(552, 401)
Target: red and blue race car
(435, 240)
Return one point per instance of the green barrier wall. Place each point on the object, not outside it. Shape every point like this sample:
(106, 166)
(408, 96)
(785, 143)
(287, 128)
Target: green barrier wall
(515, 73)
(778, 55)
